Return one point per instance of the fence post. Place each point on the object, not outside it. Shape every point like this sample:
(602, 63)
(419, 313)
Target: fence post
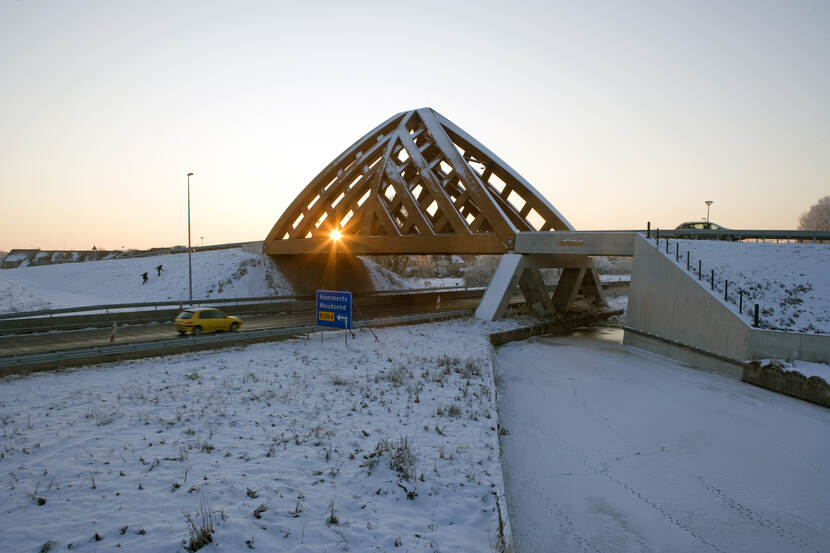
(648, 230)
(725, 290)
(657, 236)
(712, 279)
(687, 261)
(699, 269)
(741, 302)
(676, 251)
(756, 315)
(667, 244)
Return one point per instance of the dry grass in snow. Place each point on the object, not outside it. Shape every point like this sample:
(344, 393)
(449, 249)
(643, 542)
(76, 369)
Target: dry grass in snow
(289, 446)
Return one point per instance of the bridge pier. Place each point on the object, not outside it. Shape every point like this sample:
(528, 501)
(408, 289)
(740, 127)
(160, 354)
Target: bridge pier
(523, 272)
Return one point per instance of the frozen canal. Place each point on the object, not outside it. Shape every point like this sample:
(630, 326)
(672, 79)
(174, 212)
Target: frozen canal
(612, 449)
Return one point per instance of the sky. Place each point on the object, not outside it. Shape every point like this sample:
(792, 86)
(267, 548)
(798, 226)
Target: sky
(620, 113)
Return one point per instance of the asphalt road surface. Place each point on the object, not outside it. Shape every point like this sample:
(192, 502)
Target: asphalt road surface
(53, 341)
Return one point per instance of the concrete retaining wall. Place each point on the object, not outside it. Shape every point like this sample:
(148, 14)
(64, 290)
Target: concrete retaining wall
(672, 314)
(668, 302)
(774, 344)
(793, 383)
(696, 357)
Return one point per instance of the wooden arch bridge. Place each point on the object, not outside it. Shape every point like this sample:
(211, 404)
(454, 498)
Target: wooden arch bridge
(419, 184)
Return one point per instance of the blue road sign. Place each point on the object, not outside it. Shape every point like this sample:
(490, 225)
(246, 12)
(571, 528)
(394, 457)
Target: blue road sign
(334, 308)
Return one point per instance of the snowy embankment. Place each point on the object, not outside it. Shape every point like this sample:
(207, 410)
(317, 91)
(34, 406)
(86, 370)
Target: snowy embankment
(299, 445)
(231, 273)
(789, 282)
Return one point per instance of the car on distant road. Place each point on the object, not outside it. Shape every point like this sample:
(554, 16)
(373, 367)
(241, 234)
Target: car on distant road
(704, 225)
(205, 319)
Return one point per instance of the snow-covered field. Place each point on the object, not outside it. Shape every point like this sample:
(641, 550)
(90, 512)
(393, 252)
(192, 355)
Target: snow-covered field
(612, 449)
(386, 445)
(790, 282)
(231, 273)
(216, 274)
(299, 445)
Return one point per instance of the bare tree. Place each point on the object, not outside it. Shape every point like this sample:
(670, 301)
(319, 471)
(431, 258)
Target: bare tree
(818, 216)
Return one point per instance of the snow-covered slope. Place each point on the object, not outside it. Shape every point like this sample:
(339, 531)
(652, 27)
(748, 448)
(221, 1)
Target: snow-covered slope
(790, 282)
(230, 273)
(216, 274)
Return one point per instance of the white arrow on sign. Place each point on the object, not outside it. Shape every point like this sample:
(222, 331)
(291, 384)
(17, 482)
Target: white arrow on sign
(342, 318)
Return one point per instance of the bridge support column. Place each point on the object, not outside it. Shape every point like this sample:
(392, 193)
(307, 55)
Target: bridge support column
(522, 272)
(571, 282)
(514, 271)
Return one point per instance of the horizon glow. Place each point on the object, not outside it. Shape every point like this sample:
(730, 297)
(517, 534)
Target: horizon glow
(619, 114)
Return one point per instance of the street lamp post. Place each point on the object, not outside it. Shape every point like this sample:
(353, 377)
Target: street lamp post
(189, 251)
(708, 203)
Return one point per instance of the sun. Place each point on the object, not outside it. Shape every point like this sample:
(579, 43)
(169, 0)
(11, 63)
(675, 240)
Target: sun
(336, 235)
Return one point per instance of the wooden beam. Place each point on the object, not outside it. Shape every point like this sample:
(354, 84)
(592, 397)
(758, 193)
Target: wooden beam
(484, 243)
(431, 183)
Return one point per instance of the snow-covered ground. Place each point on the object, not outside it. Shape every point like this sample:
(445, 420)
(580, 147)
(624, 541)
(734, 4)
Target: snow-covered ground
(306, 445)
(302, 445)
(612, 449)
(216, 274)
(230, 273)
(790, 282)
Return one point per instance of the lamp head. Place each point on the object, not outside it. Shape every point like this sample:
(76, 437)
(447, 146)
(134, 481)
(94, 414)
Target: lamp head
(190, 174)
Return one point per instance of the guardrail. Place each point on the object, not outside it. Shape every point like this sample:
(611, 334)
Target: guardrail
(118, 352)
(153, 306)
(243, 306)
(817, 236)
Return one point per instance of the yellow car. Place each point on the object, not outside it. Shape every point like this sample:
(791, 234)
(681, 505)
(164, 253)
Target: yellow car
(205, 319)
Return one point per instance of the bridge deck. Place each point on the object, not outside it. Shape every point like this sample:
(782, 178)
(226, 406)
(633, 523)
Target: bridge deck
(616, 243)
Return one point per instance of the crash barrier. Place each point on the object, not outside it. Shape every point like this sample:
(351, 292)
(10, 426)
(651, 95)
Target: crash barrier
(796, 236)
(103, 316)
(16, 364)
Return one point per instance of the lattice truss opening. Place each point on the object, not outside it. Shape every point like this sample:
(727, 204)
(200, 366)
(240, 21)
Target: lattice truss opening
(415, 184)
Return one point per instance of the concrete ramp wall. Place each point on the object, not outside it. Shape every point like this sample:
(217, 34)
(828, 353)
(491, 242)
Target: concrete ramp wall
(671, 313)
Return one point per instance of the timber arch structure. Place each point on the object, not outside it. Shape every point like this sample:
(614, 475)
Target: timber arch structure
(419, 184)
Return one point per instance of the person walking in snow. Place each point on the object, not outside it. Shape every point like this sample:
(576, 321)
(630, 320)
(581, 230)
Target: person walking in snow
(159, 269)
(144, 278)
(113, 333)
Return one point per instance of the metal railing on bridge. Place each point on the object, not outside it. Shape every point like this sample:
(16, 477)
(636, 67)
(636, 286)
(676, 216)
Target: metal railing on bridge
(798, 236)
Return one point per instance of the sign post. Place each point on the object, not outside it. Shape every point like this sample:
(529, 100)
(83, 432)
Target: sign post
(334, 309)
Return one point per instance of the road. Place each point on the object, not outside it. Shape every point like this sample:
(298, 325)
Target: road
(612, 449)
(54, 341)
